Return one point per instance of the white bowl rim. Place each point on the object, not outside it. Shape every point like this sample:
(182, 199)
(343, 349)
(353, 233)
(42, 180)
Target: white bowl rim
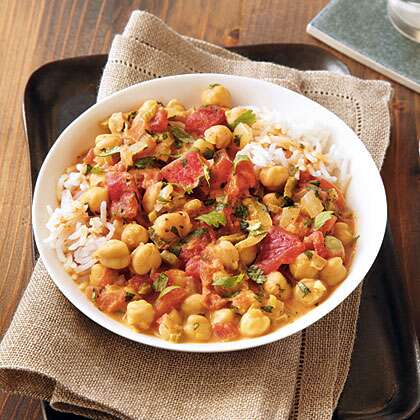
(294, 327)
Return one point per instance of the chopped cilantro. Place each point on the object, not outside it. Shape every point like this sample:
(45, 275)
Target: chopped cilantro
(209, 202)
(146, 162)
(316, 183)
(255, 228)
(129, 296)
(160, 283)
(240, 211)
(88, 168)
(206, 171)
(237, 139)
(94, 296)
(212, 85)
(304, 289)
(230, 281)
(256, 274)
(175, 231)
(176, 249)
(309, 254)
(267, 308)
(243, 224)
(287, 202)
(208, 154)
(247, 117)
(184, 162)
(180, 135)
(214, 218)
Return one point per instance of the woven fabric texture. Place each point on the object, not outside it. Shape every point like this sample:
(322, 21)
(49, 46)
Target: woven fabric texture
(53, 352)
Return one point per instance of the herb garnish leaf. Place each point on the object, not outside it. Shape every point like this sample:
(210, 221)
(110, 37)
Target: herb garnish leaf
(230, 281)
(214, 218)
(256, 274)
(160, 283)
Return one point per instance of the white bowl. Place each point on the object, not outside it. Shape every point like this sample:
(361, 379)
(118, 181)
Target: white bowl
(80, 134)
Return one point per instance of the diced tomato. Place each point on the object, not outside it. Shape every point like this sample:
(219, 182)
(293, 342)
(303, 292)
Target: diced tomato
(144, 178)
(137, 281)
(149, 147)
(279, 247)
(194, 247)
(221, 170)
(328, 226)
(89, 158)
(109, 276)
(170, 301)
(205, 117)
(119, 183)
(192, 267)
(126, 207)
(185, 171)
(316, 241)
(327, 185)
(159, 123)
(243, 179)
(111, 300)
(213, 301)
(226, 330)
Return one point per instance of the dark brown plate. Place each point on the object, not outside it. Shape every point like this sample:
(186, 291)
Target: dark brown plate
(384, 376)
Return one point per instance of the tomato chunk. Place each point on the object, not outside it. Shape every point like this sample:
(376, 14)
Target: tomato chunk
(185, 171)
(126, 207)
(205, 117)
(243, 179)
(221, 170)
(170, 301)
(111, 300)
(226, 330)
(279, 247)
(159, 123)
(316, 241)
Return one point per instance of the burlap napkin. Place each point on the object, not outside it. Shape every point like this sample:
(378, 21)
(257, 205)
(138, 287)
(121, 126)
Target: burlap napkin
(51, 351)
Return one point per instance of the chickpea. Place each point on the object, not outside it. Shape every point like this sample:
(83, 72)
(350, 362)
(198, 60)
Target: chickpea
(99, 273)
(233, 114)
(140, 314)
(343, 232)
(106, 141)
(171, 226)
(334, 272)
(170, 327)
(226, 252)
(216, 95)
(134, 234)
(93, 197)
(114, 254)
(277, 285)
(175, 108)
(247, 255)
(193, 305)
(150, 196)
(203, 146)
(277, 309)
(274, 177)
(197, 328)
(146, 257)
(116, 123)
(219, 135)
(254, 323)
(309, 291)
(193, 206)
(273, 202)
(243, 132)
(301, 267)
(222, 316)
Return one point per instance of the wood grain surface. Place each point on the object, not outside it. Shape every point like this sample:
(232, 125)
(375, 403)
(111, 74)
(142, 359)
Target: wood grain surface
(33, 32)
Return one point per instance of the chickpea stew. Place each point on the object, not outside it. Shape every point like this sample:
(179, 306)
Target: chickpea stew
(211, 223)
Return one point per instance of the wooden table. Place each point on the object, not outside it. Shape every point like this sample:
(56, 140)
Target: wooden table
(33, 32)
